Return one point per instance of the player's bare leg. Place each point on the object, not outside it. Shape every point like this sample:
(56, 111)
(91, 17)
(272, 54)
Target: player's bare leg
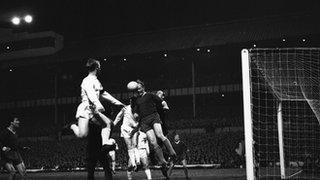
(153, 141)
(11, 170)
(113, 161)
(129, 171)
(135, 149)
(148, 173)
(81, 130)
(21, 170)
(170, 168)
(145, 163)
(158, 131)
(131, 153)
(158, 151)
(107, 144)
(185, 169)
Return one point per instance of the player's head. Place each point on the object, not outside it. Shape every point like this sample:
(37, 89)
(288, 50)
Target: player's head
(160, 94)
(176, 137)
(15, 122)
(93, 65)
(141, 87)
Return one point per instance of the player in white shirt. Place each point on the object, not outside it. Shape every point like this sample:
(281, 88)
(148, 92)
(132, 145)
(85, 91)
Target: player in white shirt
(142, 154)
(91, 108)
(129, 125)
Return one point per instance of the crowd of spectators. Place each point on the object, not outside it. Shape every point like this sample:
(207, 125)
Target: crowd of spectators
(204, 148)
(211, 112)
(210, 124)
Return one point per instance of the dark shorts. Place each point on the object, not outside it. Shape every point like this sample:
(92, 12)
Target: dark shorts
(147, 122)
(12, 157)
(180, 158)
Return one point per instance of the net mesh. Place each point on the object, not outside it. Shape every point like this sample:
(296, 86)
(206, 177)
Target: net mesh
(290, 76)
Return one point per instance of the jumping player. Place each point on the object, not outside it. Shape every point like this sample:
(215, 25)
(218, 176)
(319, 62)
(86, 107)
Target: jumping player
(150, 123)
(143, 155)
(10, 150)
(128, 126)
(181, 149)
(91, 106)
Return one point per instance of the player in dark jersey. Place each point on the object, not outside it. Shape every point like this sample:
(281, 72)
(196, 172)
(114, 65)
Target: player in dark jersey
(149, 121)
(94, 152)
(181, 150)
(10, 150)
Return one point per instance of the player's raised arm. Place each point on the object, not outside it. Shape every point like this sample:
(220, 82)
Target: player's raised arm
(108, 97)
(119, 117)
(164, 104)
(157, 100)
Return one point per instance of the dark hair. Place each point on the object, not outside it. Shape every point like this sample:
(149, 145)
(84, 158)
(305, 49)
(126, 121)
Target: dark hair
(140, 82)
(92, 64)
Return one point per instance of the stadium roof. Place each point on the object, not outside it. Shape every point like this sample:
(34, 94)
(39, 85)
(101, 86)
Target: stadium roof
(249, 30)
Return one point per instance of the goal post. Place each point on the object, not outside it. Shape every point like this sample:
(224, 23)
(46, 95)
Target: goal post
(247, 115)
(280, 140)
(281, 100)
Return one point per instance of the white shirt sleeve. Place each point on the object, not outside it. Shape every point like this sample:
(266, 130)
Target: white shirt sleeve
(105, 95)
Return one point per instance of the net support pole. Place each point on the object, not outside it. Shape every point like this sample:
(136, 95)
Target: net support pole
(280, 139)
(56, 124)
(247, 115)
(193, 91)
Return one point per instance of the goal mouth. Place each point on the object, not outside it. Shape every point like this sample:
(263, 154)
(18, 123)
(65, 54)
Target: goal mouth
(281, 95)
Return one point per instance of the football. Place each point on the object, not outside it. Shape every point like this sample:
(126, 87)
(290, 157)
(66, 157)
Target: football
(132, 85)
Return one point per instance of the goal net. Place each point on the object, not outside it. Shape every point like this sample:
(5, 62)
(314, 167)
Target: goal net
(281, 94)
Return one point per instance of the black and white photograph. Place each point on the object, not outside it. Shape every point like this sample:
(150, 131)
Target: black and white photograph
(159, 89)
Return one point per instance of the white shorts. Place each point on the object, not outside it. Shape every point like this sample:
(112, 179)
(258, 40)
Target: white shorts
(125, 131)
(84, 110)
(143, 154)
